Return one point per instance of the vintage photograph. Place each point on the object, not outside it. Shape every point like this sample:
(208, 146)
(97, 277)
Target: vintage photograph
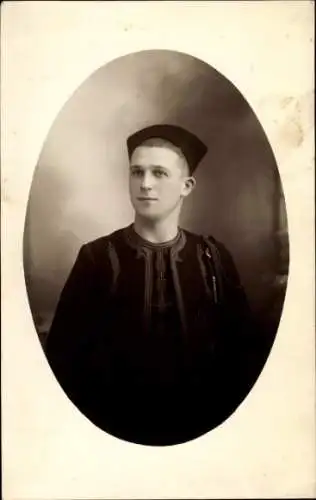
(156, 248)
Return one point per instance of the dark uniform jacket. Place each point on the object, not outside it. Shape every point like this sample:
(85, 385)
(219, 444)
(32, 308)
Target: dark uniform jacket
(153, 342)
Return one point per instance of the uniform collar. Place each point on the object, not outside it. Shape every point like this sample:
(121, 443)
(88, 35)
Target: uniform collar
(136, 241)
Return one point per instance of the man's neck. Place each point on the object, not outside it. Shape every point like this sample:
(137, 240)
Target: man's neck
(156, 231)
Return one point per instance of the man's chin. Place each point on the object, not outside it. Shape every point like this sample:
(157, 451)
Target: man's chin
(149, 215)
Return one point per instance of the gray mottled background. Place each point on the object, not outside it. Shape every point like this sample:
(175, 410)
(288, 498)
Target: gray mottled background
(79, 190)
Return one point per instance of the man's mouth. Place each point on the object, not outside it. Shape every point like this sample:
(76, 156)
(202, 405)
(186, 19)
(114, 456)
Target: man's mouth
(146, 198)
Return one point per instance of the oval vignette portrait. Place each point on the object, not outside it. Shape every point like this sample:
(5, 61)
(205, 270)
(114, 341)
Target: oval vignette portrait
(156, 248)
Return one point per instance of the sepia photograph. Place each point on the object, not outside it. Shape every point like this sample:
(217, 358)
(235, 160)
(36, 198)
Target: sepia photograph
(156, 248)
(157, 241)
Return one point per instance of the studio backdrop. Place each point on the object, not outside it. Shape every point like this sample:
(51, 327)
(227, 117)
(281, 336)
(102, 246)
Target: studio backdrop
(80, 185)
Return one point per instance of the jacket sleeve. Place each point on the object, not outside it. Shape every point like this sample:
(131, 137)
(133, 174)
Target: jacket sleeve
(239, 352)
(233, 296)
(71, 330)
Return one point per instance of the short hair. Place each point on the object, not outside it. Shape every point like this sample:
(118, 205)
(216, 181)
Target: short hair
(164, 143)
(192, 148)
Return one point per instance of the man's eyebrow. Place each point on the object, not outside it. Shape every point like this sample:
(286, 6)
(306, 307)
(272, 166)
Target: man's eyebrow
(149, 166)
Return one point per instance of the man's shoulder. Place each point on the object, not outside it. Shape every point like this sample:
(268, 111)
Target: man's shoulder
(210, 244)
(104, 241)
(197, 238)
(218, 254)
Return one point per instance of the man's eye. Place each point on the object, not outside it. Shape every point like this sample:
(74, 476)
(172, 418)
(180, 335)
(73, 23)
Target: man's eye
(137, 172)
(160, 173)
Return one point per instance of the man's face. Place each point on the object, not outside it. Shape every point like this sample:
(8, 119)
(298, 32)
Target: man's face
(158, 181)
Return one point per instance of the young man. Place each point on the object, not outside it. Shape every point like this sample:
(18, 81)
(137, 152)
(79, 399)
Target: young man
(151, 336)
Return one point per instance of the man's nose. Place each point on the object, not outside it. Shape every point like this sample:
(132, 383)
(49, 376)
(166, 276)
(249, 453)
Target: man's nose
(146, 183)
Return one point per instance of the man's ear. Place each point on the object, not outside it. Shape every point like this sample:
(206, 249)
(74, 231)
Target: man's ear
(189, 185)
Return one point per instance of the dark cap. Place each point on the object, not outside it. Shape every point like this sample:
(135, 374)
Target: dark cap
(191, 146)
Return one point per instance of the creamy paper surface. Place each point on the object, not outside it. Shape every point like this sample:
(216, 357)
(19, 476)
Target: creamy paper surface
(266, 449)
